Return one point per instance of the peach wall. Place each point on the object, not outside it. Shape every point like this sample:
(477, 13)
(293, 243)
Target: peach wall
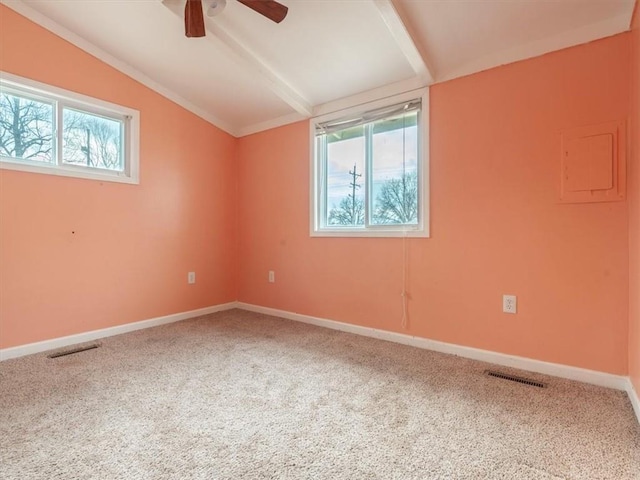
(133, 245)
(634, 210)
(497, 226)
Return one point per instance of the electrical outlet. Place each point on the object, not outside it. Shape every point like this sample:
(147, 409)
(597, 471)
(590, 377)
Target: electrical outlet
(272, 276)
(191, 278)
(509, 303)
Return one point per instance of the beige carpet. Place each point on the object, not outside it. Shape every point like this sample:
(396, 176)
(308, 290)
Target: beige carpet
(237, 395)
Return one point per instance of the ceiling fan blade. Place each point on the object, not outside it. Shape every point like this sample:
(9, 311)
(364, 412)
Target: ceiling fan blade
(269, 8)
(193, 19)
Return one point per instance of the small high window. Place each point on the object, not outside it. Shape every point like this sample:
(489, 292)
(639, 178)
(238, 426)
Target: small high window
(44, 129)
(370, 170)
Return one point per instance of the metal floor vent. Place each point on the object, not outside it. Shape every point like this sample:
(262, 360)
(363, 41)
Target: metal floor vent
(513, 378)
(71, 351)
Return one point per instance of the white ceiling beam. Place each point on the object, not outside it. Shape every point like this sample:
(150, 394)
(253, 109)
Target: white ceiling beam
(278, 85)
(405, 40)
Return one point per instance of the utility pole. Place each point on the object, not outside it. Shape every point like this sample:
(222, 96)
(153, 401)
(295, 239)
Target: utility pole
(87, 149)
(355, 175)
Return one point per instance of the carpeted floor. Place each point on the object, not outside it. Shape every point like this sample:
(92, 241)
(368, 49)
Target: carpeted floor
(237, 395)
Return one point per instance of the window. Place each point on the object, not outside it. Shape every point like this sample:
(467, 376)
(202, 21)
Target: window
(44, 129)
(370, 170)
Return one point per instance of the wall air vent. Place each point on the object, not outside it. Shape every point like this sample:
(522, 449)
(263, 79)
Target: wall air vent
(71, 351)
(513, 378)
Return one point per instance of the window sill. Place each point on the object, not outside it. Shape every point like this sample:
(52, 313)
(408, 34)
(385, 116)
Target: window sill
(104, 176)
(373, 233)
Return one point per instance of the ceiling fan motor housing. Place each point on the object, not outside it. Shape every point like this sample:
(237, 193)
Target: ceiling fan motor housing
(215, 7)
(194, 18)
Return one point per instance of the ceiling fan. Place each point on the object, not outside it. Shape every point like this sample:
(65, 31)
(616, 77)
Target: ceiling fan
(194, 18)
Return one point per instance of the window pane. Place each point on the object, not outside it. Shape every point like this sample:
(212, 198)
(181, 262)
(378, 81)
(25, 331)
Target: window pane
(91, 140)
(26, 128)
(395, 171)
(345, 178)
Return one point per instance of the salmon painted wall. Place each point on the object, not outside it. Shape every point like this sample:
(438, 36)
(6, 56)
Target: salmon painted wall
(133, 245)
(634, 210)
(496, 223)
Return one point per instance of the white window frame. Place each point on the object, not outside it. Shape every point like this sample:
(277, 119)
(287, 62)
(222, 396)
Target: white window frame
(61, 98)
(421, 229)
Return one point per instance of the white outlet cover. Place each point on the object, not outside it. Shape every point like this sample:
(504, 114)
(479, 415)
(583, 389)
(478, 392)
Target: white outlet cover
(191, 277)
(509, 304)
(272, 276)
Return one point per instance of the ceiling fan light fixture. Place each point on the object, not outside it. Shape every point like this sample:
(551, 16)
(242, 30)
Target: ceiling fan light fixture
(214, 7)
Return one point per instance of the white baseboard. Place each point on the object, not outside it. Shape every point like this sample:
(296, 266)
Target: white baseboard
(593, 377)
(608, 380)
(634, 397)
(54, 343)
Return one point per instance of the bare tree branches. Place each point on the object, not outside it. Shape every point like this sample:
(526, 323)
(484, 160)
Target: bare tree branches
(397, 202)
(27, 132)
(350, 211)
(91, 140)
(26, 128)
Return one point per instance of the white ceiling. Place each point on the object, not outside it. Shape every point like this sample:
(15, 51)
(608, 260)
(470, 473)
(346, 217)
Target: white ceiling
(249, 74)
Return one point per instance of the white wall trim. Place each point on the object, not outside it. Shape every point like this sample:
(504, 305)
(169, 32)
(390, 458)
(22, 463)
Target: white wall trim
(571, 38)
(634, 397)
(54, 343)
(608, 380)
(593, 377)
(270, 124)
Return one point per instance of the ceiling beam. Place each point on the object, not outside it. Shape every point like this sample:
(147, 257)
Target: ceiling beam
(278, 85)
(405, 41)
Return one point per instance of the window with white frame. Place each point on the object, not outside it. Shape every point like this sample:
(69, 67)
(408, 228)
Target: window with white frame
(370, 169)
(45, 129)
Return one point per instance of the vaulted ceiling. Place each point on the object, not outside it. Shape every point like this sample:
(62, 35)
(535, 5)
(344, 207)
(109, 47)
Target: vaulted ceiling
(249, 74)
